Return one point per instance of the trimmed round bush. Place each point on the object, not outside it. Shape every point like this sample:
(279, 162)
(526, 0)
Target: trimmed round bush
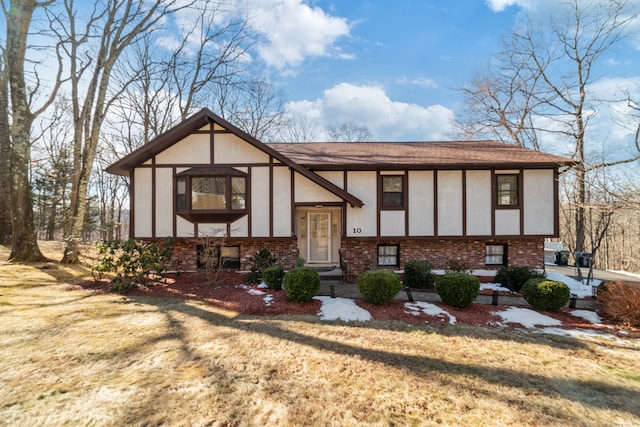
(417, 274)
(546, 295)
(379, 286)
(458, 289)
(515, 276)
(301, 284)
(273, 276)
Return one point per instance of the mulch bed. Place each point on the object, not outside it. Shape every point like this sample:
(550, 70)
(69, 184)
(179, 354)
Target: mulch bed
(230, 292)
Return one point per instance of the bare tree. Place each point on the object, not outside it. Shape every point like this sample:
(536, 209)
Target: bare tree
(350, 132)
(5, 153)
(554, 70)
(19, 119)
(298, 128)
(93, 49)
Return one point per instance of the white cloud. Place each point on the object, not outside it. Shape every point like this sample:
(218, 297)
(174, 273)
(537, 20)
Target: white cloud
(370, 106)
(500, 5)
(420, 81)
(295, 31)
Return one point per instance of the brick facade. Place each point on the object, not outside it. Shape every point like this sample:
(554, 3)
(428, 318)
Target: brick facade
(362, 255)
(185, 251)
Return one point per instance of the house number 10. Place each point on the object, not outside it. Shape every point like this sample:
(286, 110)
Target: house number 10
(357, 230)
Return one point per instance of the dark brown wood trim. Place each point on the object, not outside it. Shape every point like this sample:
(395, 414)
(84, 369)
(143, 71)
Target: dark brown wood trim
(494, 196)
(294, 220)
(521, 199)
(435, 203)
(312, 204)
(153, 196)
(132, 204)
(173, 208)
(212, 143)
(249, 208)
(453, 238)
(464, 203)
(406, 202)
(378, 202)
(271, 196)
(556, 203)
(345, 186)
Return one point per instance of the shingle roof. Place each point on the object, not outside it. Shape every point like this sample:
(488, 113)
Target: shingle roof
(330, 155)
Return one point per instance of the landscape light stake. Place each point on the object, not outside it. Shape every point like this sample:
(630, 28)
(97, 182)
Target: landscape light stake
(494, 298)
(409, 296)
(572, 301)
(332, 290)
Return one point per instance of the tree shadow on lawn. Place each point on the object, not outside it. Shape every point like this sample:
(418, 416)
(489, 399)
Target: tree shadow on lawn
(609, 397)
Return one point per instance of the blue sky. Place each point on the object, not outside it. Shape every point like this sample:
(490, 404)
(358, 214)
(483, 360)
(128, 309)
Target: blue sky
(394, 66)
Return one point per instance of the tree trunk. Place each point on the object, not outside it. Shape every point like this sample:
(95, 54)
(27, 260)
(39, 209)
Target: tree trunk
(5, 153)
(24, 243)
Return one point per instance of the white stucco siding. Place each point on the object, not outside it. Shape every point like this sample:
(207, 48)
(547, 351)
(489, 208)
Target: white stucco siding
(478, 189)
(142, 203)
(307, 191)
(421, 203)
(538, 201)
(281, 202)
(164, 202)
(507, 222)
(212, 230)
(229, 149)
(362, 222)
(334, 177)
(450, 203)
(260, 212)
(194, 149)
(392, 223)
(184, 228)
(240, 227)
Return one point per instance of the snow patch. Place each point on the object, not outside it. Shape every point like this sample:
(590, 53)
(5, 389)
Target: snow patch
(527, 318)
(252, 291)
(429, 309)
(588, 315)
(575, 287)
(341, 309)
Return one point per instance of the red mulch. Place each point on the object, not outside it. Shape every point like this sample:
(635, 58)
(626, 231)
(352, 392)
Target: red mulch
(229, 292)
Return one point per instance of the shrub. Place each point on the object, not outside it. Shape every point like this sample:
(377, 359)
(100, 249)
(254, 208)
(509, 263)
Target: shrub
(457, 266)
(259, 262)
(458, 289)
(273, 276)
(301, 284)
(620, 302)
(546, 295)
(515, 277)
(134, 263)
(379, 286)
(417, 274)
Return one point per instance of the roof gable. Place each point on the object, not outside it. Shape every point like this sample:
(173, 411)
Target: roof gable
(206, 117)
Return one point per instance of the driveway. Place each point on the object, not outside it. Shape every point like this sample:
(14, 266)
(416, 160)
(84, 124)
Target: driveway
(602, 275)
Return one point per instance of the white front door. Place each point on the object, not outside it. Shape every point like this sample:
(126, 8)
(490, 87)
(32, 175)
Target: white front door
(319, 237)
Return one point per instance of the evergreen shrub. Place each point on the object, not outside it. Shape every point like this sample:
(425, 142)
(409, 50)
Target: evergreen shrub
(546, 295)
(273, 276)
(458, 289)
(301, 284)
(515, 276)
(417, 274)
(379, 286)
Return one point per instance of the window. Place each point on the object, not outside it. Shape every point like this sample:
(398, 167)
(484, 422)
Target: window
(215, 257)
(507, 190)
(211, 194)
(388, 255)
(495, 254)
(392, 191)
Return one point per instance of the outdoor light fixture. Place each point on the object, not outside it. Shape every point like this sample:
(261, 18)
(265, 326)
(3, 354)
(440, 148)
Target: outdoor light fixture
(572, 301)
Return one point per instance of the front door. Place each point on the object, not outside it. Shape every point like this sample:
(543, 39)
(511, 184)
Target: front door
(319, 237)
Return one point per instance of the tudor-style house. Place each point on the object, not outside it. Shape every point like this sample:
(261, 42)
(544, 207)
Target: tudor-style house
(376, 205)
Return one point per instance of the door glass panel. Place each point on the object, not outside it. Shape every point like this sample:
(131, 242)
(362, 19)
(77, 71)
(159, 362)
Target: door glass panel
(319, 237)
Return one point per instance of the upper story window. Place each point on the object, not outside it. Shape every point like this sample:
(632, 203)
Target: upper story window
(211, 194)
(507, 190)
(392, 191)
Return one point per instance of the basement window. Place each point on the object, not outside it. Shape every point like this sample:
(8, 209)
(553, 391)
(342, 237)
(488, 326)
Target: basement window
(495, 254)
(389, 255)
(211, 194)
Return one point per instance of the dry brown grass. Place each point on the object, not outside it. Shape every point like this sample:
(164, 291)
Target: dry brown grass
(69, 357)
(620, 302)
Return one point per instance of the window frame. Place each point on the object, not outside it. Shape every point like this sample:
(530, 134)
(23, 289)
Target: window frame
(504, 254)
(403, 192)
(183, 191)
(379, 255)
(233, 263)
(517, 191)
